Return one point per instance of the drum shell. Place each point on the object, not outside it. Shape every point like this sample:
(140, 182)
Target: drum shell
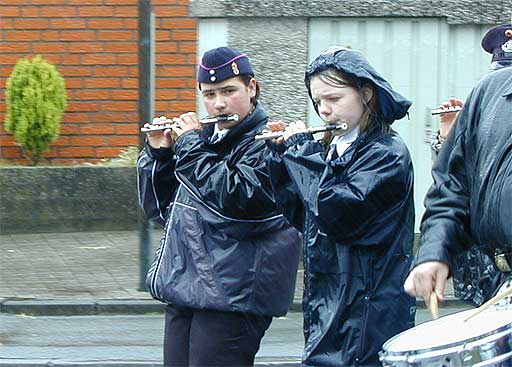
(491, 349)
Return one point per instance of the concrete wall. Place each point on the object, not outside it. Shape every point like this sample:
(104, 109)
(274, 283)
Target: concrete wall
(67, 199)
(456, 11)
(274, 33)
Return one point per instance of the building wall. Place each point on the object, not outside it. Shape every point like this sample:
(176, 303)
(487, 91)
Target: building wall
(428, 51)
(94, 45)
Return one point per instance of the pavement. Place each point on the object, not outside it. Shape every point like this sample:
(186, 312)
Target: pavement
(84, 273)
(81, 274)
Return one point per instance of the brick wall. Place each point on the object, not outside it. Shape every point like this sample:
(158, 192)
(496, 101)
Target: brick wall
(94, 45)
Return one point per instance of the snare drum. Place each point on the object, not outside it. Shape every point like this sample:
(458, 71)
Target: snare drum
(484, 340)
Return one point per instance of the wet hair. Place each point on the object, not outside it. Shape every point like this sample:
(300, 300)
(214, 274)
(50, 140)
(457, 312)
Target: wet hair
(371, 115)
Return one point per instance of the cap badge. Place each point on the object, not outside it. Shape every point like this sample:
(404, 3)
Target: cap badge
(507, 46)
(234, 67)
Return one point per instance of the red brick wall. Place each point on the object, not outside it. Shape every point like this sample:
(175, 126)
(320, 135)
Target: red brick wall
(94, 45)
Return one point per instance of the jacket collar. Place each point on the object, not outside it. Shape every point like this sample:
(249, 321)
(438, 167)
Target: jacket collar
(258, 117)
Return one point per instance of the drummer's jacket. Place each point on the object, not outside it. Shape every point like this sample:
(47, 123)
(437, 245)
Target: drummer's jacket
(356, 214)
(470, 200)
(225, 246)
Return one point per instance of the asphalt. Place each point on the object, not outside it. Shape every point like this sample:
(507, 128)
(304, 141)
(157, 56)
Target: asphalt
(86, 273)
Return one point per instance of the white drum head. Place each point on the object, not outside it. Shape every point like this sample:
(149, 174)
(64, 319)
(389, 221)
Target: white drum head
(450, 329)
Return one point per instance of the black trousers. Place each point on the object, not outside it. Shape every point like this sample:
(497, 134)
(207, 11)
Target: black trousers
(211, 338)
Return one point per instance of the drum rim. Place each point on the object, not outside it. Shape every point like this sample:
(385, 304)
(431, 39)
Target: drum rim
(460, 343)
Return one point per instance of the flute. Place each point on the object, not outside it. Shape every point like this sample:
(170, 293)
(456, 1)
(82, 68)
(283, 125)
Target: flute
(206, 121)
(312, 130)
(440, 111)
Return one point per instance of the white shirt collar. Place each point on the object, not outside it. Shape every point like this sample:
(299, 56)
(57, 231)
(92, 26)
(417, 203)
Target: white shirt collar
(342, 142)
(220, 134)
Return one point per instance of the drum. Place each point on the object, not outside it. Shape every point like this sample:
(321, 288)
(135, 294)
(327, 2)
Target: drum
(484, 340)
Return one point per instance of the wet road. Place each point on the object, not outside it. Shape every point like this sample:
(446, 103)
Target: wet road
(126, 340)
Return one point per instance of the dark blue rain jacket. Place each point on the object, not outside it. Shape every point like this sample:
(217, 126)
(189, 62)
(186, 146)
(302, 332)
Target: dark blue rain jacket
(225, 245)
(356, 214)
(470, 200)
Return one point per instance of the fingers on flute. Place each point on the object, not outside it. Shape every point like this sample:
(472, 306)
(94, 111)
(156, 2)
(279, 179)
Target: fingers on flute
(301, 125)
(456, 102)
(278, 125)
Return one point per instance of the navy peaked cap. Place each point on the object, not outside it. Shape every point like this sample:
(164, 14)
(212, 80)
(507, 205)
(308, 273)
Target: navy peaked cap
(223, 63)
(498, 42)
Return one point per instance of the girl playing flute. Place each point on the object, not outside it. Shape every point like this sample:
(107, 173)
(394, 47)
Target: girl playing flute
(353, 203)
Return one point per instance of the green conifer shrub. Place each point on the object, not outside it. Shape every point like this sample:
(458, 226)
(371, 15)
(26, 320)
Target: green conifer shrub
(36, 100)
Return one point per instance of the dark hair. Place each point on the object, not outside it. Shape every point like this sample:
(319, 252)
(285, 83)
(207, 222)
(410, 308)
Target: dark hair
(371, 115)
(246, 79)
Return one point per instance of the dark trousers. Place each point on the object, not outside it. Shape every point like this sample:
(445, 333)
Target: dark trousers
(211, 338)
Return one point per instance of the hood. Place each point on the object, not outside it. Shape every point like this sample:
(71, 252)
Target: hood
(393, 105)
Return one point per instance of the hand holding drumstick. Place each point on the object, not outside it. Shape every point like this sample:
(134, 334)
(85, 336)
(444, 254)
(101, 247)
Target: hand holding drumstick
(428, 280)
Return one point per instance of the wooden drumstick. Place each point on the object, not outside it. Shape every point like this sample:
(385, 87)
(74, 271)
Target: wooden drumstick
(433, 305)
(507, 292)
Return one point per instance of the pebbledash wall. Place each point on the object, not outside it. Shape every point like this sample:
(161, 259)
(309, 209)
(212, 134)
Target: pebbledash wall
(428, 50)
(94, 45)
(277, 34)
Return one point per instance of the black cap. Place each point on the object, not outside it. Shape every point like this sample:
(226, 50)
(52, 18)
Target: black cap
(223, 63)
(498, 42)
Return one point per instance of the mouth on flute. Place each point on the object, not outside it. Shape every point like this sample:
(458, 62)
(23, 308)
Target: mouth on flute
(220, 118)
(311, 130)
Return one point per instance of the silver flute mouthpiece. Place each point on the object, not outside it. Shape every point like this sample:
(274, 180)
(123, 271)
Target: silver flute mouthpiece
(440, 111)
(312, 130)
(206, 121)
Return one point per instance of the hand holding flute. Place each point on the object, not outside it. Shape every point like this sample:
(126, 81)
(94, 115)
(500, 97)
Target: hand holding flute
(169, 122)
(163, 131)
(281, 131)
(447, 112)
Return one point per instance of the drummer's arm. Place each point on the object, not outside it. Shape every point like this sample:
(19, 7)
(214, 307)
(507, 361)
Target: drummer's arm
(425, 277)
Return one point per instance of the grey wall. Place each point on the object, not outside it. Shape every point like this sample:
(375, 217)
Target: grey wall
(66, 199)
(456, 11)
(279, 61)
(274, 33)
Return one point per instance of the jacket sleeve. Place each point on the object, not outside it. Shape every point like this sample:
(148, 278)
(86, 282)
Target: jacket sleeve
(237, 185)
(156, 182)
(445, 223)
(285, 189)
(345, 200)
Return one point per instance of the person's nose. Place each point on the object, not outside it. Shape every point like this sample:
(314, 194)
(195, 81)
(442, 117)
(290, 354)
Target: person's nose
(324, 110)
(220, 102)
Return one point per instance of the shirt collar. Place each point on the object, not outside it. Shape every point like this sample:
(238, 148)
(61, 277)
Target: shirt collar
(347, 139)
(220, 134)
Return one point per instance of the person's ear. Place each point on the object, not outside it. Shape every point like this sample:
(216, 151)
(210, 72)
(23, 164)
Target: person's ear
(367, 93)
(252, 87)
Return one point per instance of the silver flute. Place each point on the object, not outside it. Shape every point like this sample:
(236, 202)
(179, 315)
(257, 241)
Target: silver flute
(312, 130)
(206, 121)
(440, 111)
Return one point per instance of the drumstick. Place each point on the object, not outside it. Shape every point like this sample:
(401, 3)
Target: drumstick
(433, 305)
(507, 292)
